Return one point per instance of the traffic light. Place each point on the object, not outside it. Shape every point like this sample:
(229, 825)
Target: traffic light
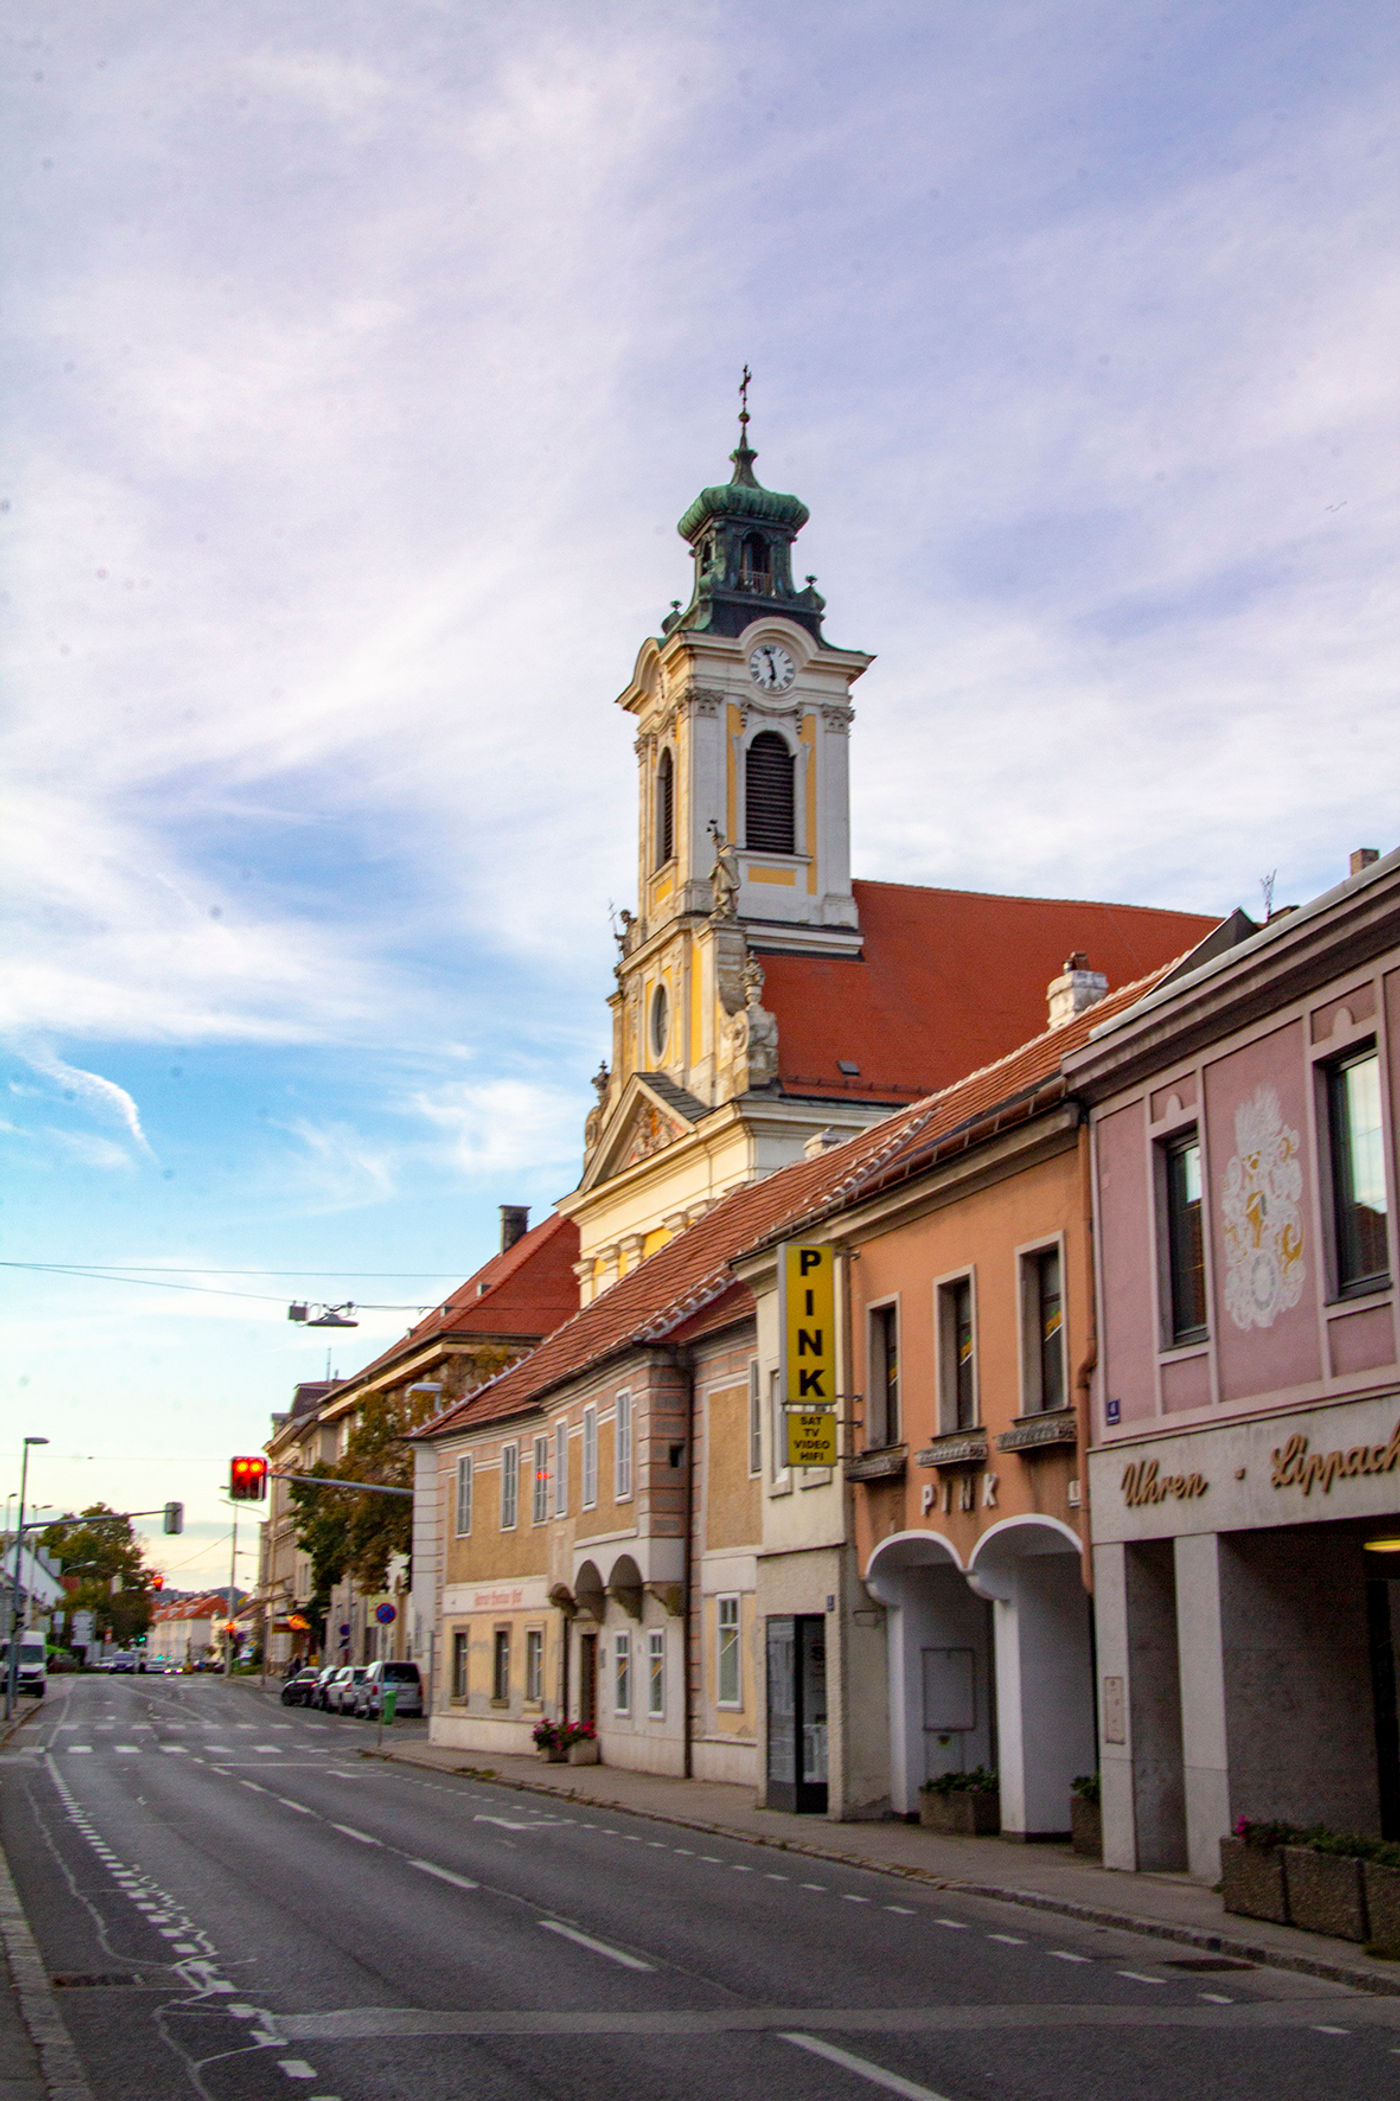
(157, 1583)
(247, 1481)
(174, 1517)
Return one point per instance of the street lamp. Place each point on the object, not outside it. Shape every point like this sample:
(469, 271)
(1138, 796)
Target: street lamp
(12, 1673)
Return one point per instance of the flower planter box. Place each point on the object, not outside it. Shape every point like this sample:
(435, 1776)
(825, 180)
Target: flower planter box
(1325, 1893)
(1382, 1888)
(583, 1754)
(963, 1814)
(552, 1754)
(1086, 1827)
(1254, 1885)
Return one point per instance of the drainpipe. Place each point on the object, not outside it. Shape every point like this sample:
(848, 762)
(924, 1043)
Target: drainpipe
(1084, 1377)
(683, 1365)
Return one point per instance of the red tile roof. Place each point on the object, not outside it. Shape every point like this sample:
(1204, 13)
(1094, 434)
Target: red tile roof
(522, 1293)
(688, 1286)
(947, 979)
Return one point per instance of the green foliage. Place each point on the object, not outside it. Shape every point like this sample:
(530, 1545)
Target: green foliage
(359, 1535)
(1268, 1832)
(980, 1780)
(99, 1555)
(1086, 1787)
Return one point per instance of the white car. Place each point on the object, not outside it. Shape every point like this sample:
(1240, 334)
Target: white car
(340, 1693)
(33, 1664)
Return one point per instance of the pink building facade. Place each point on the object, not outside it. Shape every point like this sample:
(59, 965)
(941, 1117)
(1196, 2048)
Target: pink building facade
(1244, 1477)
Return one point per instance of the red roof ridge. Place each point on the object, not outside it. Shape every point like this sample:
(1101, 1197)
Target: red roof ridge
(1026, 897)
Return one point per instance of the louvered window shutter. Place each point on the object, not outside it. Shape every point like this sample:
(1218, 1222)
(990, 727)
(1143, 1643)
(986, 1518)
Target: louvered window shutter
(768, 796)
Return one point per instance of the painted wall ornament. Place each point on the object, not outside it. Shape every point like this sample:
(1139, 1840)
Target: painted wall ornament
(1264, 1269)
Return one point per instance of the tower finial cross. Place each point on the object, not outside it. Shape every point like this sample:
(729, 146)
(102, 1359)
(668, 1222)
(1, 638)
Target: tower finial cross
(744, 380)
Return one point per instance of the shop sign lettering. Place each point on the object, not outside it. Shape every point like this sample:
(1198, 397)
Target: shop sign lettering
(1144, 1483)
(1296, 1467)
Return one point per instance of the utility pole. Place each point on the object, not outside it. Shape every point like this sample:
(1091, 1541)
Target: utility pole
(12, 1662)
(232, 1580)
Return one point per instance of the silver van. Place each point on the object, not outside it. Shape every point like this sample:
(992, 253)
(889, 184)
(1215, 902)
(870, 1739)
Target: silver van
(33, 1664)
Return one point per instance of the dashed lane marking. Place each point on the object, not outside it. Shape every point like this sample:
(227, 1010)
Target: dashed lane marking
(430, 1867)
(863, 2069)
(1141, 1977)
(586, 1940)
(350, 1832)
(1064, 1955)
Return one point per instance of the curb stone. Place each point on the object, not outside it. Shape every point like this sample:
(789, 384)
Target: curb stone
(60, 2068)
(1301, 1963)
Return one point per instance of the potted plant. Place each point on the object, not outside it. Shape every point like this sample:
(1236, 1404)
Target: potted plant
(962, 1805)
(1324, 1886)
(1086, 1816)
(1252, 1869)
(549, 1741)
(580, 1743)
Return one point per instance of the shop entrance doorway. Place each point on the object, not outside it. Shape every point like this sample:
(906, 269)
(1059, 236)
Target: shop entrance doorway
(588, 1678)
(797, 1767)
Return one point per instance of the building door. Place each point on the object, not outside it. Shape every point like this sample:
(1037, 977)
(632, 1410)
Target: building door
(588, 1678)
(797, 1745)
(950, 1709)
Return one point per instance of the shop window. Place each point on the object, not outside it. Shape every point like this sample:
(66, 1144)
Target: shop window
(622, 1674)
(957, 1355)
(665, 808)
(539, 1494)
(755, 1422)
(534, 1665)
(500, 1667)
(622, 1448)
(882, 1403)
(561, 1468)
(510, 1486)
(656, 1673)
(727, 1684)
(590, 1458)
(464, 1497)
(1043, 1331)
(461, 1665)
(1186, 1256)
(770, 803)
(1358, 1173)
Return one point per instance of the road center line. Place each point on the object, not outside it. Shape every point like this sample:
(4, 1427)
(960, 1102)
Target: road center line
(863, 2069)
(430, 1867)
(363, 1836)
(584, 1940)
(287, 1803)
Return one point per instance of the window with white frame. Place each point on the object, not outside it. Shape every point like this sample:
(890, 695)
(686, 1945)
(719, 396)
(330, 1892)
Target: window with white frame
(534, 1664)
(590, 1457)
(500, 1667)
(727, 1676)
(622, 1448)
(561, 1468)
(464, 1495)
(622, 1674)
(957, 1355)
(882, 1378)
(461, 1664)
(755, 1422)
(539, 1487)
(1042, 1330)
(656, 1673)
(510, 1486)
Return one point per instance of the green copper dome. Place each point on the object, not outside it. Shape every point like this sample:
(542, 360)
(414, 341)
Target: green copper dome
(745, 501)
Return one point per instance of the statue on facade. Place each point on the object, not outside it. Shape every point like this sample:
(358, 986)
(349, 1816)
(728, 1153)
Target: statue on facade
(593, 1122)
(754, 1034)
(724, 876)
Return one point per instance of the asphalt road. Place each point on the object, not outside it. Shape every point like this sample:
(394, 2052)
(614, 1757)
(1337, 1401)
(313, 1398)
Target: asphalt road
(243, 1908)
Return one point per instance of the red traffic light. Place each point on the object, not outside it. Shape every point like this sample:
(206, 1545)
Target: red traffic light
(157, 1583)
(247, 1481)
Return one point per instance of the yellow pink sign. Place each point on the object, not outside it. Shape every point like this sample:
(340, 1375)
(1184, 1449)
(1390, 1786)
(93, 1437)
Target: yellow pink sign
(809, 1381)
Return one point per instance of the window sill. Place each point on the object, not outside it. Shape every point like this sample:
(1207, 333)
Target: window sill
(884, 1463)
(500, 1703)
(1352, 1294)
(1032, 1433)
(960, 1448)
(1189, 1346)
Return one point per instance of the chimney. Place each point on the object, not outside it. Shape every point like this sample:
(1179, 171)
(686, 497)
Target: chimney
(822, 1141)
(1077, 988)
(1363, 857)
(515, 1222)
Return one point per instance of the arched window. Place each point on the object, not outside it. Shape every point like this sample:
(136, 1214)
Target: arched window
(755, 572)
(665, 835)
(769, 820)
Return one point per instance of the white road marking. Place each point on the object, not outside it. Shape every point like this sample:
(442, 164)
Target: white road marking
(862, 2067)
(584, 1940)
(1217, 1998)
(1320, 2028)
(953, 1925)
(300, 1807)
(267, 1749)
(350, 1832)
(712, 1860)
(1063, 1955)
(175, 1749)
(1140, 1977)
(1013, 1940)
(906, 1911)
(73, 1749)
(847, 1898)
(296, 2068)
(254, 1785)
(127, 1750)
(430, 1867)
(777, 1878)
(813, 1885)
(505, 1822)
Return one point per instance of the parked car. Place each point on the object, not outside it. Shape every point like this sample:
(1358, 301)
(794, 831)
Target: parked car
(297, 1690)
(30, 1666)
(340, 1693)
(317, 1695)
(406, 1683)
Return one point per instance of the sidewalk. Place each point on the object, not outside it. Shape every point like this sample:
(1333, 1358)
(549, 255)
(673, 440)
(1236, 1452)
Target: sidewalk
(1043, 1877)
(28, 2014)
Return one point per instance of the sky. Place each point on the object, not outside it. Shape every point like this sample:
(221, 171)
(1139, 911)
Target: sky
(359, 361)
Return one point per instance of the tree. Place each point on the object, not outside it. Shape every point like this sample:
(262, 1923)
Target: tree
(113, 1581)
(360, 1535)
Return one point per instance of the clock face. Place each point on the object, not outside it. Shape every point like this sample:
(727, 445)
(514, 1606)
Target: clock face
(771, 668)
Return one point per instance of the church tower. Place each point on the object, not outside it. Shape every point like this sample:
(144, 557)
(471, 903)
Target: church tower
(743, 716)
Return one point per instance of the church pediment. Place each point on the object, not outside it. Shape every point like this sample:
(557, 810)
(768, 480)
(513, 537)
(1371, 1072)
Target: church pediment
(652, 1114)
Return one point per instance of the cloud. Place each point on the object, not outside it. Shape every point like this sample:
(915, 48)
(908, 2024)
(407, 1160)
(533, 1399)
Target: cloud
(103, 1095)
(496, 1127)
